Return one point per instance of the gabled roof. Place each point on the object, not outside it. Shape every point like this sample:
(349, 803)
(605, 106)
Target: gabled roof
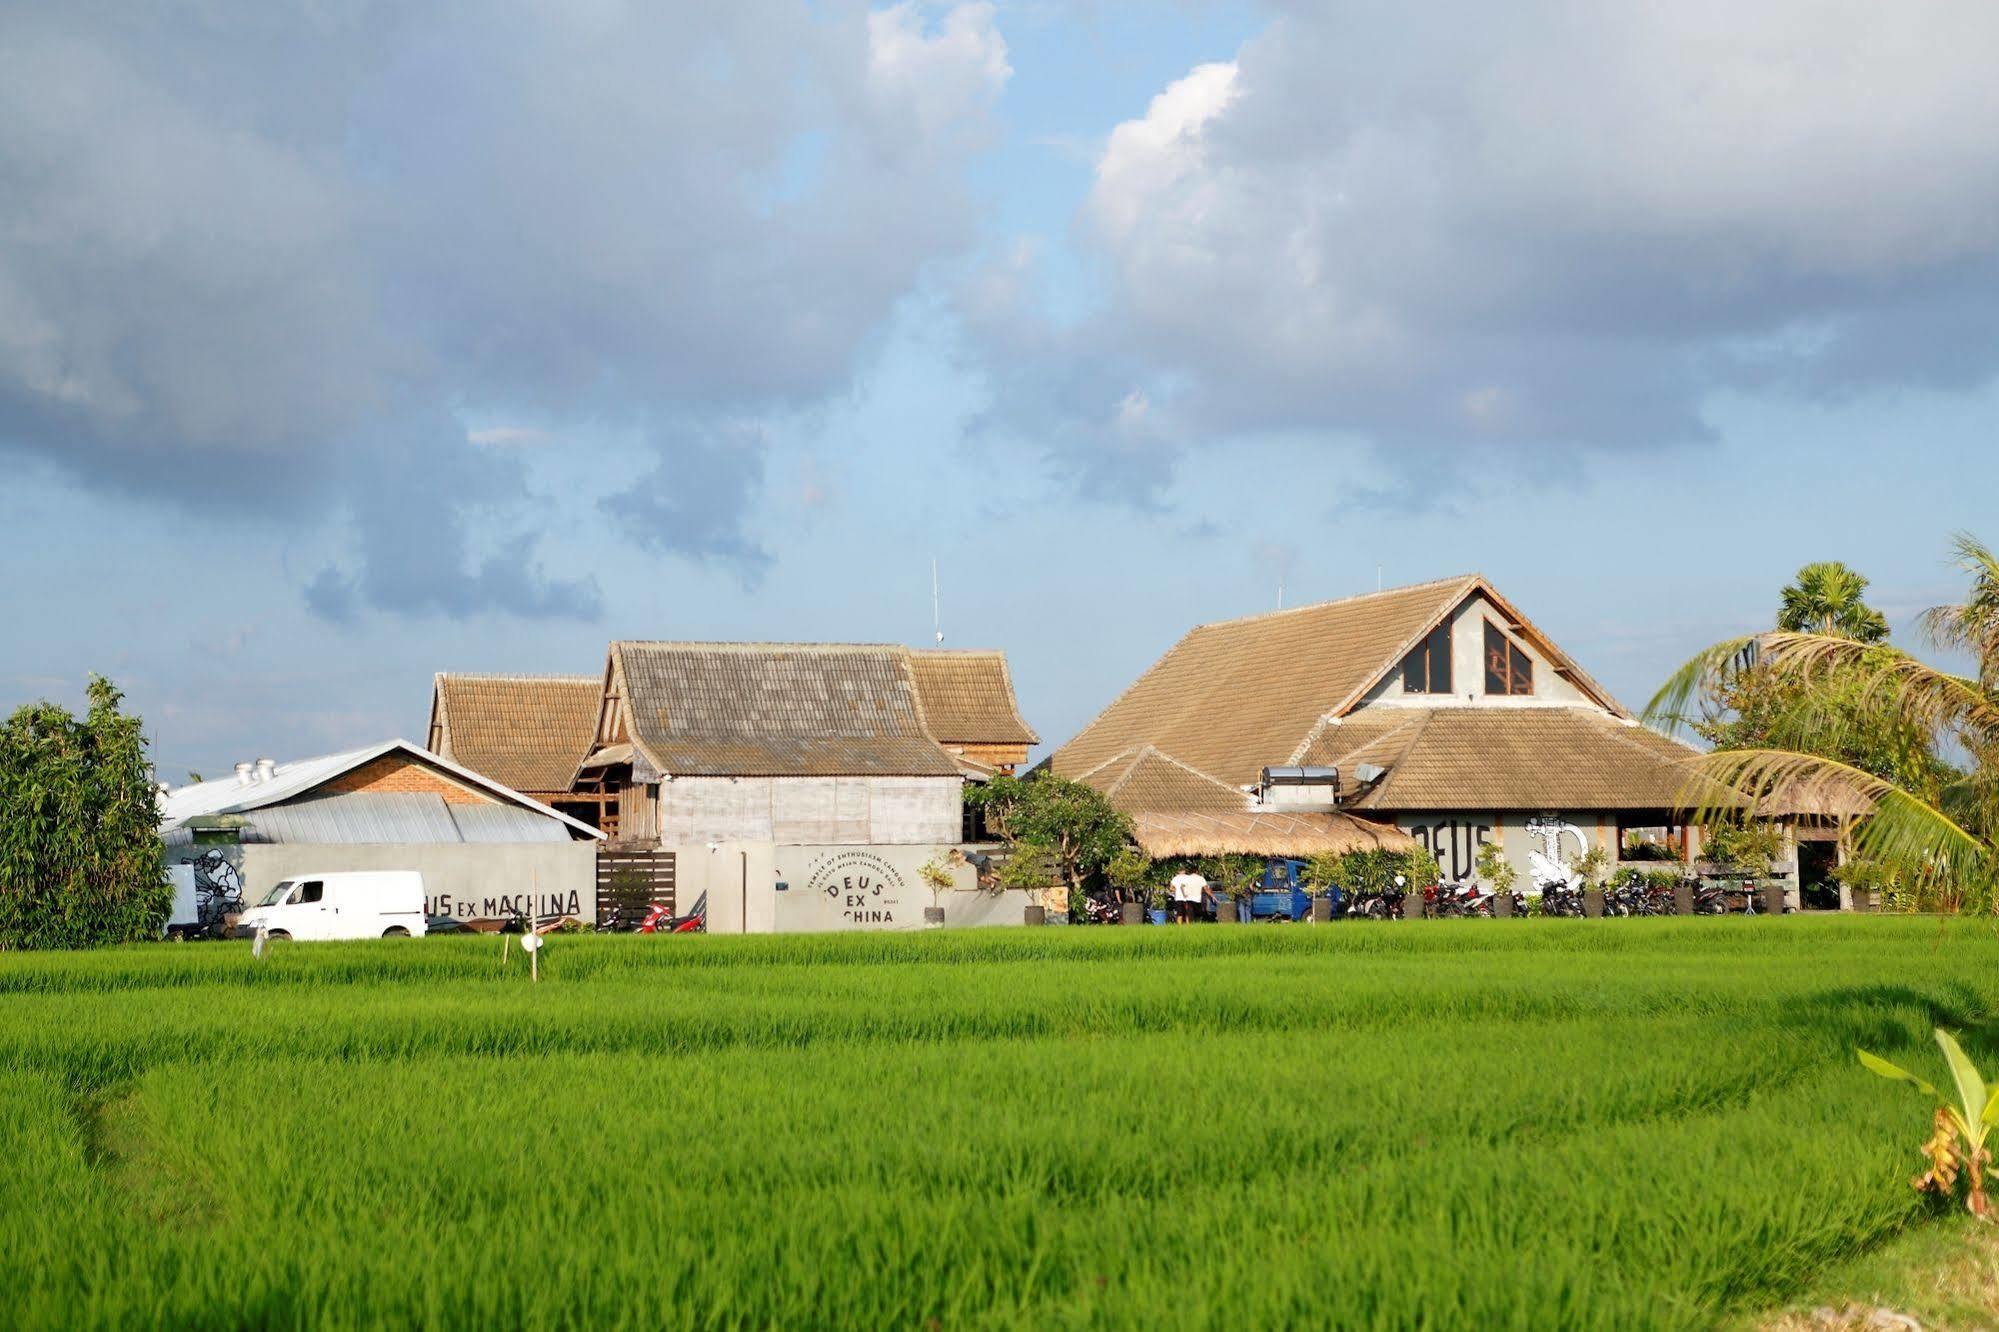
(1235, 696)
(1500, 758)
(966, 697)
(528, 732)
(775, 709)
(1264, 833)
(300, 777)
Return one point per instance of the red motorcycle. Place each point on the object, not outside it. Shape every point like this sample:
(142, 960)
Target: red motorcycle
(661, 921)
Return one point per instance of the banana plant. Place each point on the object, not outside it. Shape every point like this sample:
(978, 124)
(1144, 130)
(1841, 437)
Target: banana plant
(1958, 1143)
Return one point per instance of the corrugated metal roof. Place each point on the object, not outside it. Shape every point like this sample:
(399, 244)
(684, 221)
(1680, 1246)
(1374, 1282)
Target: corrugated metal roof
(502, 823)
(375, 817)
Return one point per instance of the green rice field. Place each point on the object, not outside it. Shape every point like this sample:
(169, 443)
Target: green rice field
(1546, 1124)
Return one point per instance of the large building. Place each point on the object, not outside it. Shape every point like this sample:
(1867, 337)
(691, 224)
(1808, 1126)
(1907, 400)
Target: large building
(1439, 708)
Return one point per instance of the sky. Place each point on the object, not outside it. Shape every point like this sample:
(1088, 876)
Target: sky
(345, 343)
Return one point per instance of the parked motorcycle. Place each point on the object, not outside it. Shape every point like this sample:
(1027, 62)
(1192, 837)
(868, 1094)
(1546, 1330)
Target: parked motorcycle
(1464, 898)
(660, 920)
(1561, 899)
(1386, 905)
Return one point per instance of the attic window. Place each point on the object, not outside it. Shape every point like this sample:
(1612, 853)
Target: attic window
(1508, 668)
(1427, 669)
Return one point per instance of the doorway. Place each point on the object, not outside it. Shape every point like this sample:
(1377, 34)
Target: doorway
(1817, 890)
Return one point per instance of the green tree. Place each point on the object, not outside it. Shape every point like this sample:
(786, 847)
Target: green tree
(1933, 827)
(1826, 599)
(80, 856)
(1069, 823)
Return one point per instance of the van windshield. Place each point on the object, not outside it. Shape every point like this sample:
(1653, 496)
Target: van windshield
(277, 894)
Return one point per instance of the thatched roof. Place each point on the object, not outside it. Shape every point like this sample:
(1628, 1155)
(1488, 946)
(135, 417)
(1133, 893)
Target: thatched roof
(1262, 834)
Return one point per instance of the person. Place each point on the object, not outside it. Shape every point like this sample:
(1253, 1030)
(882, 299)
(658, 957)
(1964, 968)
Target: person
(1188, 889)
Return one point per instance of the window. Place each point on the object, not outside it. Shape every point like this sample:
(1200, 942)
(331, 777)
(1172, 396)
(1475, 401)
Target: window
(1649, 838)
(1508, 668)
(309, 892)
(1427, 670)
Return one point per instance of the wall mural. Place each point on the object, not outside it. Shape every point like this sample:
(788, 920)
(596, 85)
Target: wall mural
(218, 885)
(1547, 865)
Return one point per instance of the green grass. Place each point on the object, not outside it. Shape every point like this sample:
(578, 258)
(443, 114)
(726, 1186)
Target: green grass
(1454, 1124)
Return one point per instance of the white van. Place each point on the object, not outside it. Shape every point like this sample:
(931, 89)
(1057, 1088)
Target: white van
(348, 904)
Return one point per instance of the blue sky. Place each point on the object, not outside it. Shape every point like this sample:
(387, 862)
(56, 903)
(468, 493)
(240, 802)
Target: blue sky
(339, 349)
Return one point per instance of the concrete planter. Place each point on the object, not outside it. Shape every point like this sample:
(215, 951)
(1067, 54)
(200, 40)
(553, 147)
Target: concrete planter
(1412, 904)
(1036, 915)
(1322, 909)
(933, 918)
(1593, 903)
(1502, 905)
(1225, 911)
(1772, 895)
(1864, 900)
(1130, 913)
(1683, 899)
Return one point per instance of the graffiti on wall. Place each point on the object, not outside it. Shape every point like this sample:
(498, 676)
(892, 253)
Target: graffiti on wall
(865, 888)
(1454, 842)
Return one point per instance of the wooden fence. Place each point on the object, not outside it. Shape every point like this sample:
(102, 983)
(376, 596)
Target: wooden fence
(631, 883)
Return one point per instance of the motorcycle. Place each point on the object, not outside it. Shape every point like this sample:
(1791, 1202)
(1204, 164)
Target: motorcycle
(1561, 899)
(1465, 898)
(1385, 905)
(661, 920)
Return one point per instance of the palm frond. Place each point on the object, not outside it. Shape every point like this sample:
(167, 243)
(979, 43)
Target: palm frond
(1669, 708)
(1895, 828)
(1910, 688)
(1973, 625)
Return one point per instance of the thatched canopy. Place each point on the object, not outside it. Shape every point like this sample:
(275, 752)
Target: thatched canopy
(1263, 834)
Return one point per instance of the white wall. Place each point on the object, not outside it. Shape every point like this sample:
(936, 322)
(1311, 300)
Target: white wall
(829, 888)
(889, 811)
(462, 880)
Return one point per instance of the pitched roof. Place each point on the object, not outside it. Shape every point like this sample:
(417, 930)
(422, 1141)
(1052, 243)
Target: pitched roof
(1232, 697)
(1262, 833)
(299, 777)
(776, 710)
(528, 732)
(1142, 780)
(1506, 758)
(967, 697)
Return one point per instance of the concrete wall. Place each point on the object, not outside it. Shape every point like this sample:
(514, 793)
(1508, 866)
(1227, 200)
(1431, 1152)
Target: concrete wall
(829, 888)
(881, 811)
(1468, 668)
(462, 880)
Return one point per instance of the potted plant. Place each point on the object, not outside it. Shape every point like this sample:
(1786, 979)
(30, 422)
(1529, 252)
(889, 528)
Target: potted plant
(1127, 872)
(1322, 877)
(1592, 868)
(936, 876)
(1026, 871)
(1416, 872)
(1492, 866)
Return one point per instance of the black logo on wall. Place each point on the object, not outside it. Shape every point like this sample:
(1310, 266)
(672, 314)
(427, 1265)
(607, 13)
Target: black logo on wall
(1454, 842)
(863, 887)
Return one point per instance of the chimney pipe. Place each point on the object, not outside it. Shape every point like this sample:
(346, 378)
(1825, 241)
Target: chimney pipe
(266, 770)
(243, 771)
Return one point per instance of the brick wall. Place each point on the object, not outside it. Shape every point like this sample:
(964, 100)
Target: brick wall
(398, 774)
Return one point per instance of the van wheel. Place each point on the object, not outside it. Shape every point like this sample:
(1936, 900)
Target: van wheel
(277, 936)
(395, 932)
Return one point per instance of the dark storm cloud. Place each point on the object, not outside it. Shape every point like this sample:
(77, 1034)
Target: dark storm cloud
(269, 253)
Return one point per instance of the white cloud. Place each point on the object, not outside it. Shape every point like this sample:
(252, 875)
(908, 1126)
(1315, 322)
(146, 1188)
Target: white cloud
(1536, 225)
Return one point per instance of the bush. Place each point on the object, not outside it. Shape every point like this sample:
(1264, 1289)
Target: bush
(80, 856)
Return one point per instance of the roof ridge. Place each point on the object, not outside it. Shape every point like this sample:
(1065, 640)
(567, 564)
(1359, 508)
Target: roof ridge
(757, 645)
(525, 677)
(1388, 782)
(1340, 601)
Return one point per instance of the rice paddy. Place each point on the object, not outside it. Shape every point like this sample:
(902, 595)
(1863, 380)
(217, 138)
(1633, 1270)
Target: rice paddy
(1544, 1124)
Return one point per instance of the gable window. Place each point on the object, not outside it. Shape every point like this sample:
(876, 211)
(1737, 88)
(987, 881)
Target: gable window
(1427, 669)
(1508, 668)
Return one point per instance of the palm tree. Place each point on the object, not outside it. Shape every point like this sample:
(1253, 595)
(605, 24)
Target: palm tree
(1826, 599)
(1944, 839)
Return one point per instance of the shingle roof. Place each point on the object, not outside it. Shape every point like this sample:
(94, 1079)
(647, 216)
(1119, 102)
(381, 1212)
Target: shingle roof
(1232, 697)
(528, 732)
(777, 710)
(967, 697)
(1263, 833)
(1143, 780)
(1506, 758)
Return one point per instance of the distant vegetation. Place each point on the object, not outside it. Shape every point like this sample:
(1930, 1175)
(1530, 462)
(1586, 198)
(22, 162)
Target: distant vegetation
(1549, 1125)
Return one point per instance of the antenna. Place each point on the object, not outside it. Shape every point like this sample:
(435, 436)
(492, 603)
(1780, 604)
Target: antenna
(1280, 587)
(936, 604)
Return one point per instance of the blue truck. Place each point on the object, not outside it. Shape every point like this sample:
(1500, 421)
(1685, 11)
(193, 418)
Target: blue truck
(1280, 893)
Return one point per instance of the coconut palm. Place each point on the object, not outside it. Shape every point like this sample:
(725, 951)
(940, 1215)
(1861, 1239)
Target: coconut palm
(1826, 599)
(1946, 837)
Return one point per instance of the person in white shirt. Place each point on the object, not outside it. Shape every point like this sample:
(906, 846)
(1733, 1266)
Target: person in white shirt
(1188, 888)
